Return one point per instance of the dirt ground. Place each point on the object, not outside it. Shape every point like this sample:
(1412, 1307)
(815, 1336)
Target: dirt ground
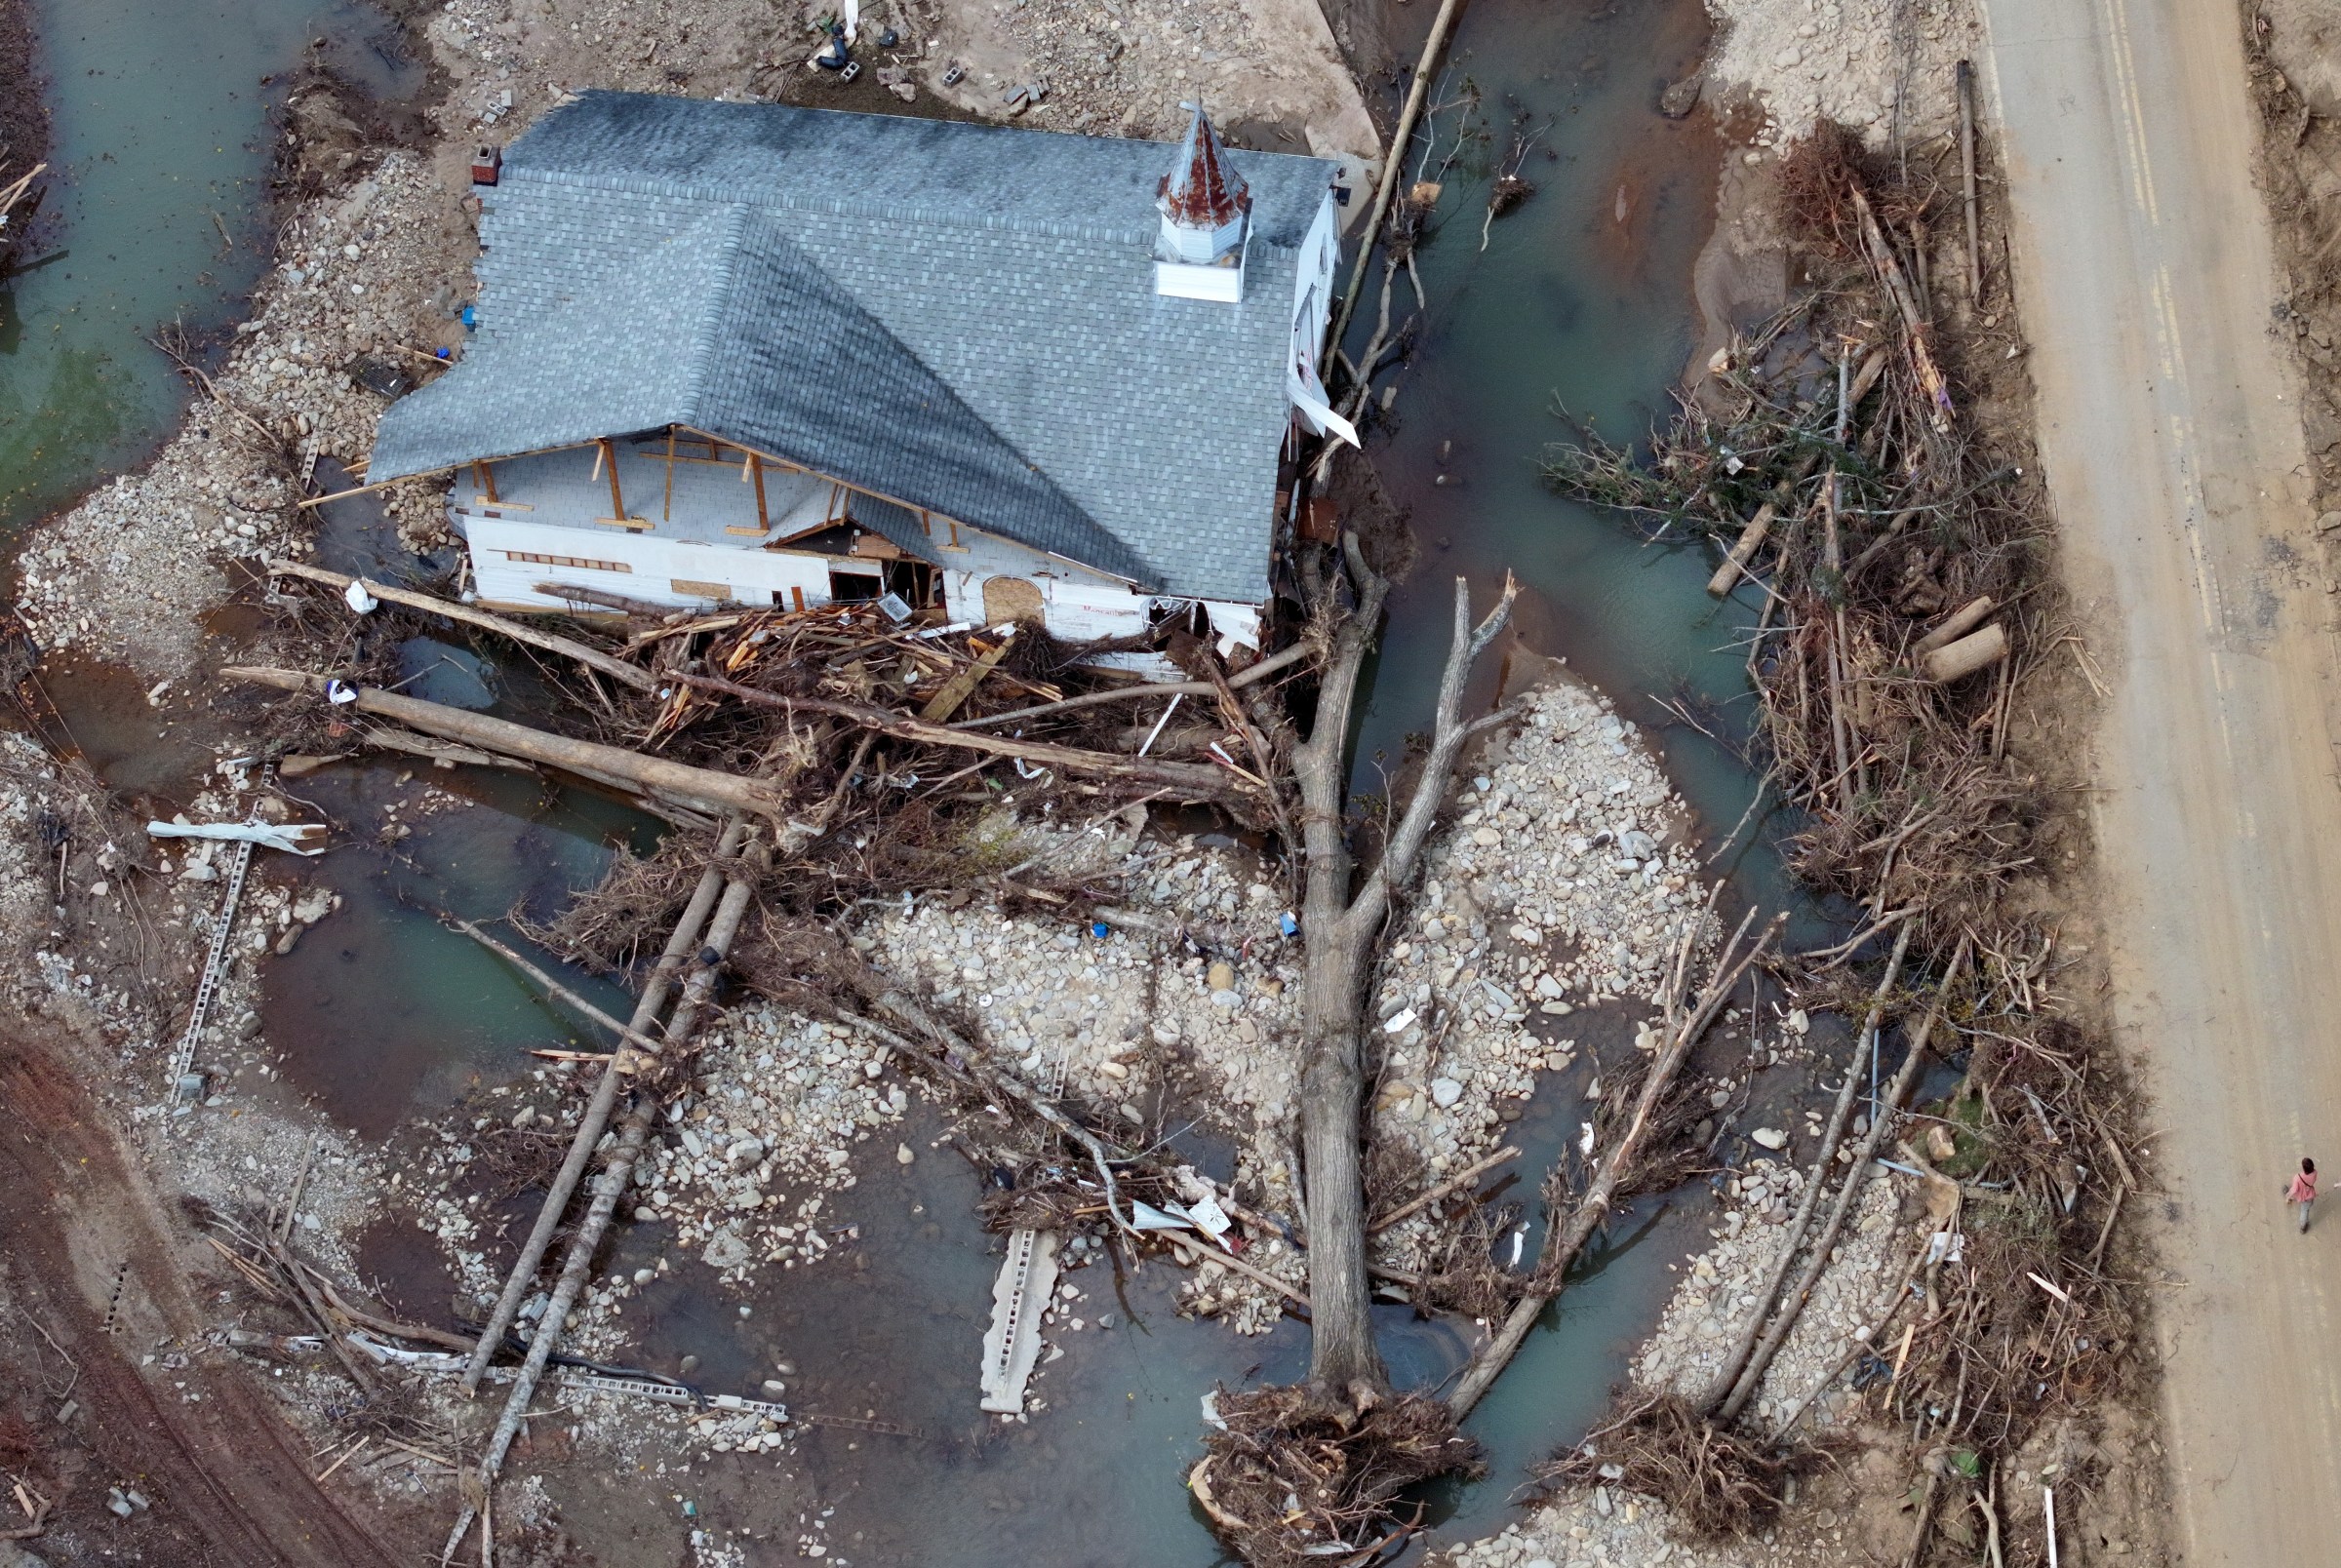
(107, 1383)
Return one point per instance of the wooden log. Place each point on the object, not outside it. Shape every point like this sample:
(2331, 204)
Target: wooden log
(1882, 1115)
(1201, 782)
(617, 1174)
(1244, 677)
(1966, 656)
(438, 751)
(1967, 177)
(578, 593)
(1743, 550)
(1393, 163)
(700, 788)
(1958, 624)
(1864, 1045)
(1563, 1243)
(1455, 1183)
(961, 686)
(633, 675)
(680, 944)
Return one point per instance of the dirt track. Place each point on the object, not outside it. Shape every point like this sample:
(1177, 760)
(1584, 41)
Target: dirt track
(86, 1254)
(2170, 433)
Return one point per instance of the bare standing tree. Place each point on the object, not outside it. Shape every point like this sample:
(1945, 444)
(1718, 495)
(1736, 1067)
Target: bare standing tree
(1342, 924)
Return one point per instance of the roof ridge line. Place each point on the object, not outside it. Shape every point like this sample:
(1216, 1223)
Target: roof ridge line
(701, 366)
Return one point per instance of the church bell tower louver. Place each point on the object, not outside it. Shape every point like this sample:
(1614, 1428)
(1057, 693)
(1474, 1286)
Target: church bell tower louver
(1205, 213)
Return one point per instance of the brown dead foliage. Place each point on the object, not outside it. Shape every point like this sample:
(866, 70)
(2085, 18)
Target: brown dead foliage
(1722, 1486)
(1288, 1473)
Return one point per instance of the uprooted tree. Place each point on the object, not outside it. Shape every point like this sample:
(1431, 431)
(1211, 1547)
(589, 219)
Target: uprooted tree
(1343, 918)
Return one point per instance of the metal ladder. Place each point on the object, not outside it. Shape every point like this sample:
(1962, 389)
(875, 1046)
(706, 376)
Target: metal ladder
(214, 969)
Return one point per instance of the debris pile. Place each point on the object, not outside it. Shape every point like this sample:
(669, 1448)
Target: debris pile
(1837, 459)
(1289, 1478)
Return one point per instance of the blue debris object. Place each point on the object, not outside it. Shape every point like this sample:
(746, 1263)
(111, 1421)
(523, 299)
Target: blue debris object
(1287, 924)
(1100, 929)
(471, 316)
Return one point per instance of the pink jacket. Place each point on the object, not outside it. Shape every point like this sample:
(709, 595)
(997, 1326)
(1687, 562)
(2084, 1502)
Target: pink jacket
(2302, 1189)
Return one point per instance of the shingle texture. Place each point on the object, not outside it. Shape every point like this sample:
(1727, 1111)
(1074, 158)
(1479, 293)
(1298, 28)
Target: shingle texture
(961, 317)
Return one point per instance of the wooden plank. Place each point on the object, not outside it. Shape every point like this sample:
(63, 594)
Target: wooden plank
(962, 686)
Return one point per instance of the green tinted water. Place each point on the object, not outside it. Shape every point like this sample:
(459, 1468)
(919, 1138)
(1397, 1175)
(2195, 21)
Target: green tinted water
(160, 145)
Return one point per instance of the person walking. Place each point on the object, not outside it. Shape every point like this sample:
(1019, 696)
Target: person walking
(2302, 1188)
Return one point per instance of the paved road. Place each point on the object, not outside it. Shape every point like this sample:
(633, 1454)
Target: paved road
(2175, 454)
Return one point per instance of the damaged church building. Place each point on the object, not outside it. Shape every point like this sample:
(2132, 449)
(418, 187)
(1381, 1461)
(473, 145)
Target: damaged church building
(735, 353)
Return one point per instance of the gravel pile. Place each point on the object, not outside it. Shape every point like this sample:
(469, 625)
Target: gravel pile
(367, 279)
(1562, 885)
(1846, 59)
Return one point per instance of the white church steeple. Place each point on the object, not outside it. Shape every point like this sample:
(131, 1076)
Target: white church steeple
(1205, 213)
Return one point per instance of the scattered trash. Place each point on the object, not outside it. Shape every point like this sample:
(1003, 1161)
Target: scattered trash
(295, 837)
(358, 599)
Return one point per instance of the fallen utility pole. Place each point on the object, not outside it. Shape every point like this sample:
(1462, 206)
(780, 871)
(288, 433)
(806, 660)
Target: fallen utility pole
(698, 788)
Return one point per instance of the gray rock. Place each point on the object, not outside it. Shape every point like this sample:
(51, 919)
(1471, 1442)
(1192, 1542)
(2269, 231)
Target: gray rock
(1681, 97)
(1446, 1091)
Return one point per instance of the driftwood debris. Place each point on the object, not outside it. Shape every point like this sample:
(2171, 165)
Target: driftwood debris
(1564, 1242)
(698, 788)
(633, 675)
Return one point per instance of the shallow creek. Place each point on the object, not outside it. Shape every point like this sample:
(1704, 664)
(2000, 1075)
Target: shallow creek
(1583, 293)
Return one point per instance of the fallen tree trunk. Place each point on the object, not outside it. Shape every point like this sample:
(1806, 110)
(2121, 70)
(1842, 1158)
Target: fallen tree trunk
(1881, 1113)
(1563, 1243)
(1244, 677)
(1200, 781)
(700, 788)
(633, 675)
(617, 1174)
(680, 945)
(1863, 1043)
(1341, 925)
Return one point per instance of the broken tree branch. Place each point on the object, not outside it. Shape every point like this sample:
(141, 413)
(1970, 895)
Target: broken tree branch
(1563, 1243)
(633, 675)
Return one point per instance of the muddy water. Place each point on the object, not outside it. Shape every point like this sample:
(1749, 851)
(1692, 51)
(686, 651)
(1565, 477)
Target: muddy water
(160, 156)
(1584, 292)
(1580, 301)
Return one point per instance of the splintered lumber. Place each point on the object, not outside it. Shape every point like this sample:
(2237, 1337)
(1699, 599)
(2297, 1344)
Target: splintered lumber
(962, 686)
(700, 788)
(680, 944)
(1914, 319)
(1012, 1344)
(1966, 656)
(1199, 780)
(633, 675)
(1743, 550)
(1958, 624)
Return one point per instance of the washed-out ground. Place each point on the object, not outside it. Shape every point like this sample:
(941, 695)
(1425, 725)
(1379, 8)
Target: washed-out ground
(1556, 897)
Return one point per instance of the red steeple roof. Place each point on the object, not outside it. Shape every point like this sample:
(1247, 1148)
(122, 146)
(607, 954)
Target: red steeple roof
(1203, 190)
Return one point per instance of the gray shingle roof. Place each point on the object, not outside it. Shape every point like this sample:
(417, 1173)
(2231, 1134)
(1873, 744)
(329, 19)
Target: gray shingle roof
(959, 316)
